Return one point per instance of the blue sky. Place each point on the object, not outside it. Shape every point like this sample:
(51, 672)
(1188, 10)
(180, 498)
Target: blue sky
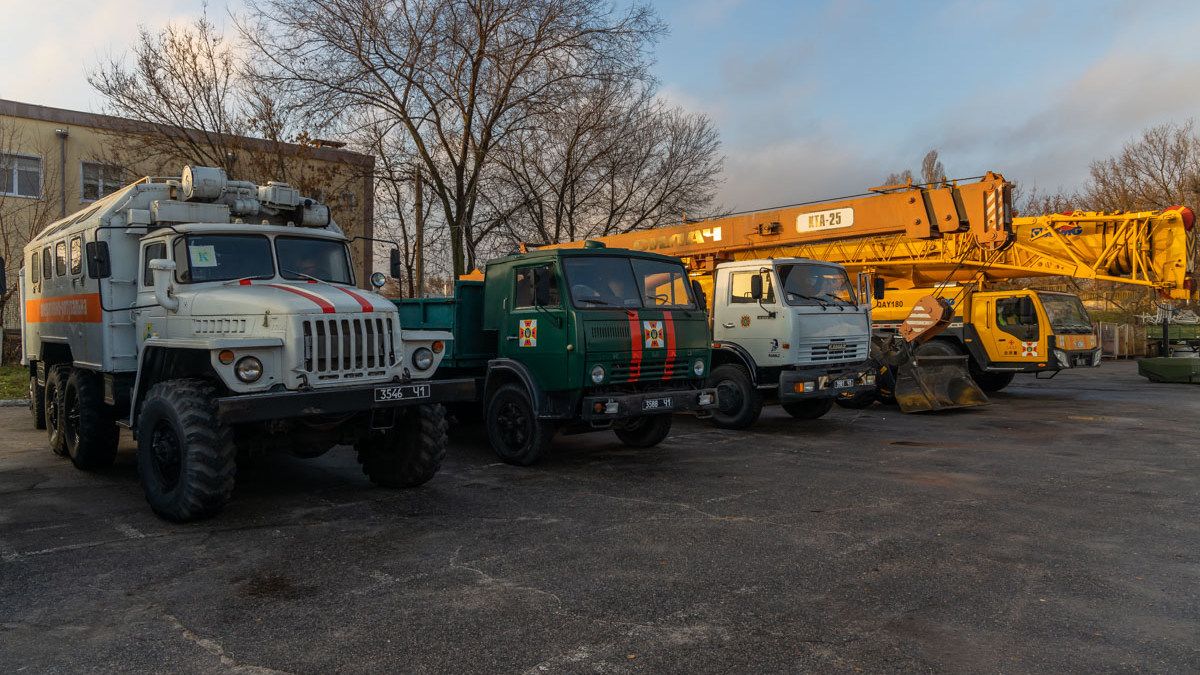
(819, 98)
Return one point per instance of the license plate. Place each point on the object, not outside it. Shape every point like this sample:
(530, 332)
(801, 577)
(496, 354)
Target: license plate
(656, 403)
(403, 392)
(842, 384)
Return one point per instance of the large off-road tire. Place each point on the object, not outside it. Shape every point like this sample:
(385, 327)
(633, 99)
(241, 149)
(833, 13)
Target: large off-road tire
(89, 430)
(515, 432)
(739, 403)
(810, 409)
(56, 383)
(644, 432)
(37, 403)
(408, 454)
(186, 457)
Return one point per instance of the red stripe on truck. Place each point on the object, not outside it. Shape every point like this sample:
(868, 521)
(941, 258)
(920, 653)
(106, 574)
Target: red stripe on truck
(362, 302)
(669, 324)
(324, 304)
(635, 346)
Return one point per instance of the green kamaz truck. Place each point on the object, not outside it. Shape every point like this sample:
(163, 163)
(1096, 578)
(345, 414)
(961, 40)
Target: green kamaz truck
(575, 340)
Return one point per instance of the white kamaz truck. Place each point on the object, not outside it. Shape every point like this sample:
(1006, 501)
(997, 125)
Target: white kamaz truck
(215, 319)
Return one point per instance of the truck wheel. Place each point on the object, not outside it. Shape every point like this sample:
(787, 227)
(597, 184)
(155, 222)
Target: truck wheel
(516, 434)
(37, 403)
(89, 431)
(408, 454)
(859, 401)
(738, 402)
(808, 410)
(645, 432)
(991, 383)
(185, 455)
(56, 381)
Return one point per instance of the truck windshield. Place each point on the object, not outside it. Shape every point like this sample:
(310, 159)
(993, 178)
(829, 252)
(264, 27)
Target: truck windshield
(308, 258)
(222, 257)
(611, 281)
(809, 284)
(1066, 313)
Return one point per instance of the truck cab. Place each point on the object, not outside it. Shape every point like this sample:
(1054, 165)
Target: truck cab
(576, 340)
(791, 330)
(217, 319)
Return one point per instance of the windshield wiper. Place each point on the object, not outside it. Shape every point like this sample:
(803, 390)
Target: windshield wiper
(596, 301)
(834, 297)
(302, 274)
(260, 277)
(822, 303)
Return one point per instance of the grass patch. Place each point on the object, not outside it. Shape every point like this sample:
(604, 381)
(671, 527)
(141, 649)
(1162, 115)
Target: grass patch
(14, 382)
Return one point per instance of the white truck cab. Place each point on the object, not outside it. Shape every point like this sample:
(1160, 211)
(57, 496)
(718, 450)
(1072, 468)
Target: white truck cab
(788, 329)
(217, 318)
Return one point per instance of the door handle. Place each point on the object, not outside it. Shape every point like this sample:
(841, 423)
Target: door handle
(511, 338)
(727, 324)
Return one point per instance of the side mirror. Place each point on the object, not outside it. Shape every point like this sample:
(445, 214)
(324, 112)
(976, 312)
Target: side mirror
(395, 263)
(378, 280)
(99, 266)
(880, 287)
(163, 270)
(698, 291)
(756, 287)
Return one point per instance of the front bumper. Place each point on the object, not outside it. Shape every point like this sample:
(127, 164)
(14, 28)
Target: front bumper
(1077, 358)
(624, 406)
(341, 400)
(800, 385)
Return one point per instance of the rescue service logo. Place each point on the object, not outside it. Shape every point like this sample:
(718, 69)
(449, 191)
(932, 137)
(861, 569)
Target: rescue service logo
(1029, 348)
(653, 333)
(527, 334)
(745, 321)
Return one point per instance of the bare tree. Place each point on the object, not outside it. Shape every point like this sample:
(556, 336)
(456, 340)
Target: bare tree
(607, 161)
(458, 76)
(1159, 169)
(932, 170)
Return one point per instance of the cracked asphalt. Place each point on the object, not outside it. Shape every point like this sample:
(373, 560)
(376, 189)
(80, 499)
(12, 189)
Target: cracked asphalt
(1057, 529)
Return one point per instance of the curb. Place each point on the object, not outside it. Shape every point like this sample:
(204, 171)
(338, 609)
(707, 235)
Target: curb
(15, 403)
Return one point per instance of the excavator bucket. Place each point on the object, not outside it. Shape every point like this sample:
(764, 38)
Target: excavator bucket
(934, 375)
(931, 382)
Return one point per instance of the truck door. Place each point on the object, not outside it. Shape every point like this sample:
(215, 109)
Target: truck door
(1015, 330)
(150, 317)
(537, 333)
(758, 327)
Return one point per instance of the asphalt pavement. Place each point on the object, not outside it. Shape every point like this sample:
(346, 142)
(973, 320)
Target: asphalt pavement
(1056, 529)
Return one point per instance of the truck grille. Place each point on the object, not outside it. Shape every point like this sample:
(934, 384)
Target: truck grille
(349, 347)
(649, 371)
(218, 326)
(832, 350)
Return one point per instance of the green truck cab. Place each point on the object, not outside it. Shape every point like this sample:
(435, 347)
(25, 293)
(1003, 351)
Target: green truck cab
(575, 340)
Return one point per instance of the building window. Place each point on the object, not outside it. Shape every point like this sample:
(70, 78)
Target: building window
(20, 176)
(100, 180)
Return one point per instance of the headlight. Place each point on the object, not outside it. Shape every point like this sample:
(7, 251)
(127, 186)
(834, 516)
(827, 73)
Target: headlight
(423, 358)
(698, 367)
(1062, 358)
(1096, 357)
(248, 369)
(597, 374)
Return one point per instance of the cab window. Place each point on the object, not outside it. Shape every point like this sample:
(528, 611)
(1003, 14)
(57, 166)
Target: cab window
(155, 251)
(739, 288)
(60, 259)
(46, 263)
(1017, 317)
(537, 286)
(76, 254)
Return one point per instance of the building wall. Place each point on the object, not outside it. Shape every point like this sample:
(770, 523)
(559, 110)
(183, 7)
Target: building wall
(338, 177)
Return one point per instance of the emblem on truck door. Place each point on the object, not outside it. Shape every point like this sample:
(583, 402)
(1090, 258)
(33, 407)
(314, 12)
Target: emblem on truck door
(1029, 348)
(527, 336)
(653, 333)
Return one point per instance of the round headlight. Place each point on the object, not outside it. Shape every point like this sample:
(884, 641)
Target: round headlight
(698, 367)
(248, 369)
(597, 374)
(423, 358)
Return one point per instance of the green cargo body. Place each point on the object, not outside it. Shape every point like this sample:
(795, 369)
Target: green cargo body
(1175, 370)
(462, 315)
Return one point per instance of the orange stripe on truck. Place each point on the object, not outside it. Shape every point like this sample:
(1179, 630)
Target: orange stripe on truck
(84, 308)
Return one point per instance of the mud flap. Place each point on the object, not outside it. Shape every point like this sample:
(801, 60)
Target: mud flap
(928, 383)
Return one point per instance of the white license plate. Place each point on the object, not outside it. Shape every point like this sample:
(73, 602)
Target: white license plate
(842, 384)
(656, 404)
(403, 392)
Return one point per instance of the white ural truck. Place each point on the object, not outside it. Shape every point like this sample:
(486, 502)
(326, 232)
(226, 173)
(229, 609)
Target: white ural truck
(790, 330)
(216, 319)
